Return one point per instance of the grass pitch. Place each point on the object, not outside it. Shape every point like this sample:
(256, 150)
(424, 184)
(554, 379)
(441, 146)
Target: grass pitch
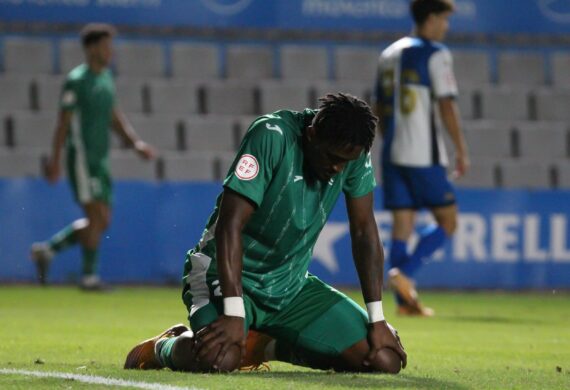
(476, 341)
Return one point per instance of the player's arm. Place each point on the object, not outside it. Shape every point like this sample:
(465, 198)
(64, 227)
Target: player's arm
(369, 260)
(450, 118)
(53, 169)
(122, 126)
(228, 329)
(445, 89)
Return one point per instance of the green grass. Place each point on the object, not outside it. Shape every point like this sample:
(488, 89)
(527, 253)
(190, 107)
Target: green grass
(476, 341)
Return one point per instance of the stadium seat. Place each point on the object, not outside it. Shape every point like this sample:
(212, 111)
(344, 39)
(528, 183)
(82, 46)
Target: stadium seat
(471, 67)
(543, 141)
(139, 59)
(521, 68)
(504, 103)
(563, 174)
(553, 105)
(173, 97)
(195, 61)
(225, 162)
(249, 62)
(131, 95)
(243, 122)
(467, 103)
(522, 174)
(15, 92)
(561, 69)
(162, 131)
(283, 95)
(482, 174)
(307, 63)
(49, 91)
(358, 89)
(194, 166)
(127, 165)
(356, 64)
(211, 133)
(21, 163)
(30, 56)
(489, 139)
(230, 98)
(34, 130)
(70, 55)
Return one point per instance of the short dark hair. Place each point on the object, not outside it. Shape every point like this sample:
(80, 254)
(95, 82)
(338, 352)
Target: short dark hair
(95, 32)
(422, 9)
(345, 120)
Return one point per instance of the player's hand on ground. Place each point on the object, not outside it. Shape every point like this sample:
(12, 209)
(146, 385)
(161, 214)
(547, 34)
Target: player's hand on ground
(225, 332)
(145, 150)
(381, 336)
(53, 170)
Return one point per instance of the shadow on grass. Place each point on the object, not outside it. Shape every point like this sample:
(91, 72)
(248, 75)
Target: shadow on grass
(489, 320)
(329, 378)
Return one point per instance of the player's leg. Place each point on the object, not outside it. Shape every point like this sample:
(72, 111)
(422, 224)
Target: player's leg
(43, 252)
(204, 303)
(434, 190)
(322, 329)
(399, 199)
(98, 216)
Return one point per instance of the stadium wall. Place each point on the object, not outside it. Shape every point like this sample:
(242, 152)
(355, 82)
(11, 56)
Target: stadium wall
(472, 16)
(506, 239)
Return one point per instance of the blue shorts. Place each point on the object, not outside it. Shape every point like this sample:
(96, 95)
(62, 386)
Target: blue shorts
(415, 188)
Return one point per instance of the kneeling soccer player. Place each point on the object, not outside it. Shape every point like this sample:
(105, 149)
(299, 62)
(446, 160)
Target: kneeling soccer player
(249, 273)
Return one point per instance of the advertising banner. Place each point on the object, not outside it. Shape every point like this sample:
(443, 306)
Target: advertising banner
(505, 239)
(472, 16)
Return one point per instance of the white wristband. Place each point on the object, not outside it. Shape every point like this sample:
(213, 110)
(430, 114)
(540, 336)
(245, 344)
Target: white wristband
(375, 311)
(233, 307)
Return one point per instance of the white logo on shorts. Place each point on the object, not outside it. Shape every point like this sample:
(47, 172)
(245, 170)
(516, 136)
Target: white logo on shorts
(247, 168)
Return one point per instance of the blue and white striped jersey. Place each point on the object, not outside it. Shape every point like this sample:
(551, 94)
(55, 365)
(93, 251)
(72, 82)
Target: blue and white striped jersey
(412, 74)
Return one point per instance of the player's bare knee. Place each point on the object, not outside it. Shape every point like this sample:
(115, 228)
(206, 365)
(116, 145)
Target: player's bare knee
(183, 352)
(449, 225)
(386, 361)
(229, 363)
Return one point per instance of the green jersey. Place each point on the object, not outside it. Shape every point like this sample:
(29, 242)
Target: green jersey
(279, 238)
(91, 97)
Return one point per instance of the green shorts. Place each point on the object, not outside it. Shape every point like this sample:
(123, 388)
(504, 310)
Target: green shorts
(89, 182)
(319, 319)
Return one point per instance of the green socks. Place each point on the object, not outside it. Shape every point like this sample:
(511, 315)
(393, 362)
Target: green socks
(163, 351)
(69, 236)
(65, 238)
(90, 257)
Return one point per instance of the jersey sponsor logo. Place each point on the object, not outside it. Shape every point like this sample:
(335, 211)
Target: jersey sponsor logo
(68, 98)
(274, 128)
(297, 178)
(247, 168)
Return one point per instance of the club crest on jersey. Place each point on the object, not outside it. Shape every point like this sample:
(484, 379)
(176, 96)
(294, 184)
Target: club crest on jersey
(247, 167)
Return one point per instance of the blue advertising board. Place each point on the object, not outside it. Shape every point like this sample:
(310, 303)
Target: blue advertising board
(472, 16)
(505, 239)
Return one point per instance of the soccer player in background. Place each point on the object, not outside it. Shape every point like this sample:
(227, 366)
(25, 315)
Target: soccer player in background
(249, 270)
(415, 98)
(88, 111)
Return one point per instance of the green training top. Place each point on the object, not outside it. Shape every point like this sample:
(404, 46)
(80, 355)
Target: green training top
(279, 238)
(91, 97)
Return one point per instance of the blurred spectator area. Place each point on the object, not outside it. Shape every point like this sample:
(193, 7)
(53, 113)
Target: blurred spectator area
(194, 100)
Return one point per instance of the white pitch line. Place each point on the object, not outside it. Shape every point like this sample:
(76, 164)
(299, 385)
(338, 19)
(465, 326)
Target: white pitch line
(97, 380)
